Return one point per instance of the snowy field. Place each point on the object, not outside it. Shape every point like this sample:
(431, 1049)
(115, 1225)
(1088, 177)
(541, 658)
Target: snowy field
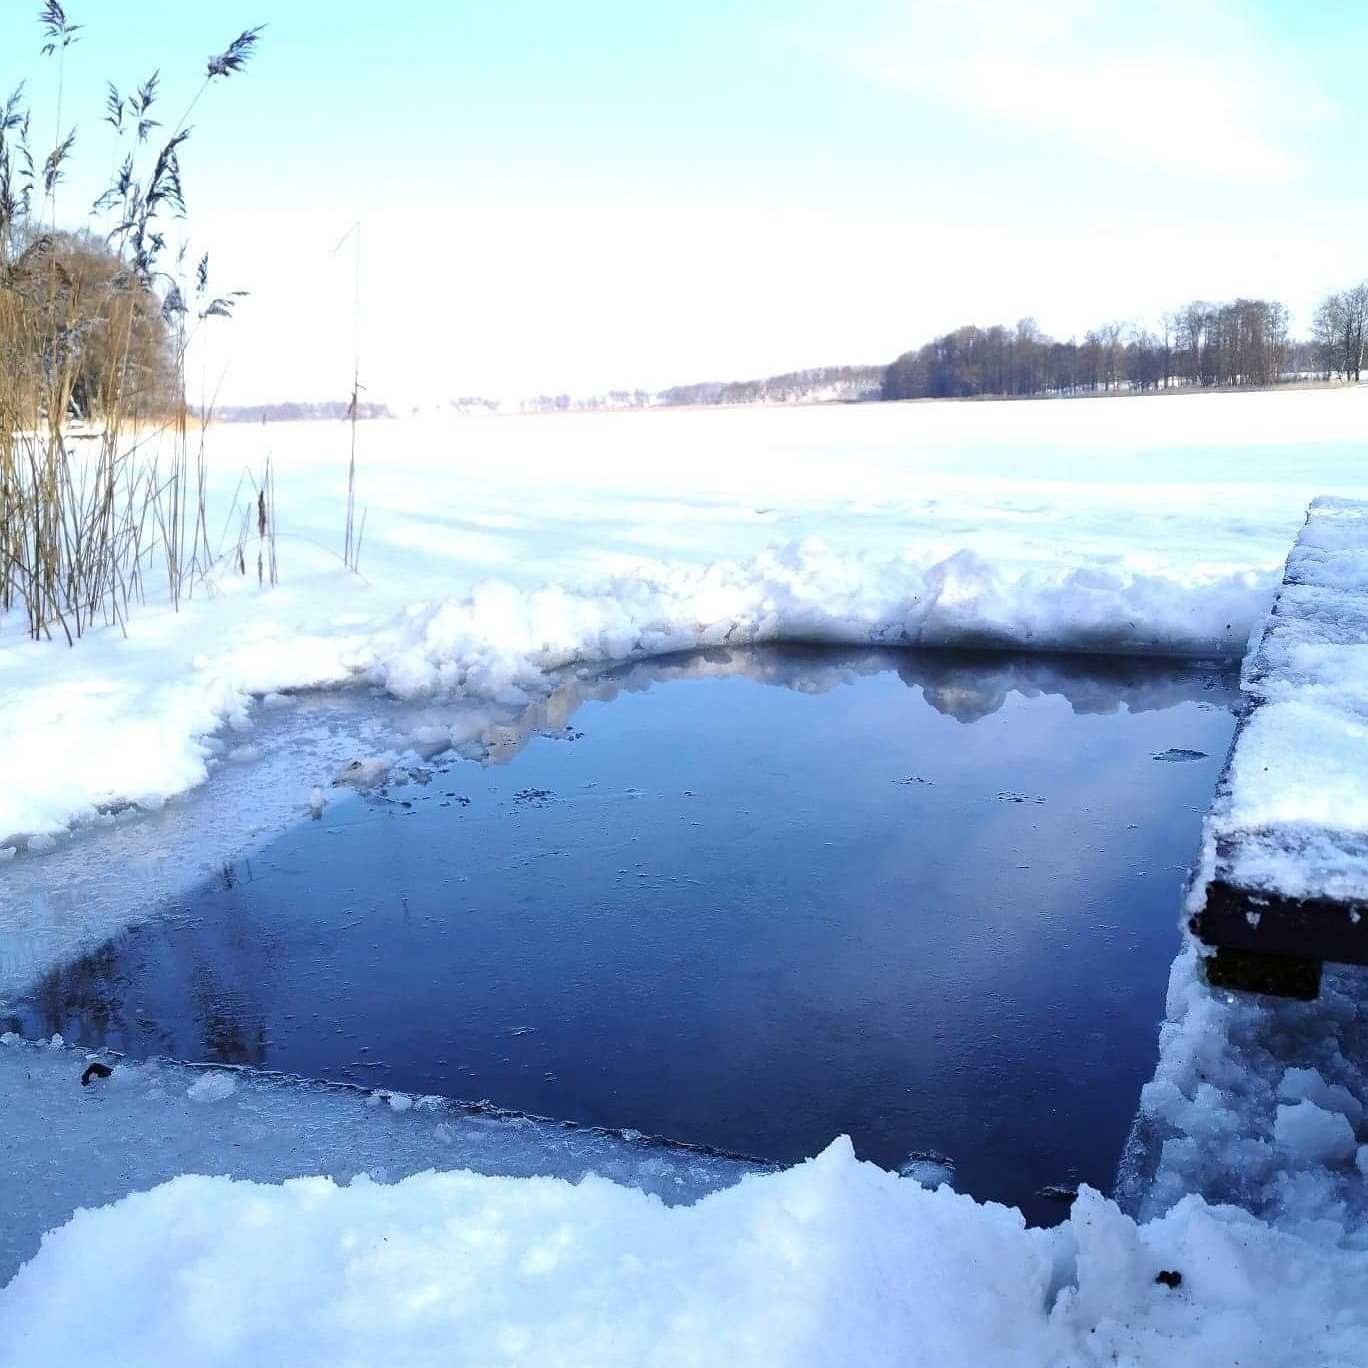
(499, 549)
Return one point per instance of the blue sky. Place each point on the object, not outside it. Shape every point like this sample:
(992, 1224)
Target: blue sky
(559, 197)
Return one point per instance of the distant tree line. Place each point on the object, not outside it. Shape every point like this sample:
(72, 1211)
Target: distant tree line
(841, 384)
(823, 382)
(293, 412)
(1244, 342)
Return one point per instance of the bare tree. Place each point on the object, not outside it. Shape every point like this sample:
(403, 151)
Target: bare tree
(1354, 320)
(1338, 331)
(1326, 329)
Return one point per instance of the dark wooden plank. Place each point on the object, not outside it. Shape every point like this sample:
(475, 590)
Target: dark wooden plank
(1312, 928)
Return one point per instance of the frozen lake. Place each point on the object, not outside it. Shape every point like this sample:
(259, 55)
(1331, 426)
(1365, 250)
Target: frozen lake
(499, 551)
(749, 899)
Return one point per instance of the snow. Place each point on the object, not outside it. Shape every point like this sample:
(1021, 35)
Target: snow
(211, 1087)
(928, 1169)
(1308, 1086)
(1312, 1135)
(68, 1146)
(833, 1261)
(1292, 817)
(1257, 1101)
(500, 548)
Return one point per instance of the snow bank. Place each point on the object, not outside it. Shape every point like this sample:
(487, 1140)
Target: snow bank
(118, 721)
(831, 1262)
(500, 638)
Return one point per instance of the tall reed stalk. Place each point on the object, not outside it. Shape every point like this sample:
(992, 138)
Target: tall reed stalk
(98, 487)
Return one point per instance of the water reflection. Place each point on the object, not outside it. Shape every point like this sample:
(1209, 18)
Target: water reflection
(728, 917)
(968, 686)
(124, 867)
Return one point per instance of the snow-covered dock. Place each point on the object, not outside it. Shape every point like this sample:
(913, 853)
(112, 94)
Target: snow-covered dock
(1286, 866)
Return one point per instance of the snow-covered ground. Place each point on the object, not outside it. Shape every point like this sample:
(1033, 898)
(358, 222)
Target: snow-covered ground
(498, 549)
(832, 1262)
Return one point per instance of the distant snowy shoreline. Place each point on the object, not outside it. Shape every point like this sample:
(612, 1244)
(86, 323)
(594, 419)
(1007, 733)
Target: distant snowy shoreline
(337, 411)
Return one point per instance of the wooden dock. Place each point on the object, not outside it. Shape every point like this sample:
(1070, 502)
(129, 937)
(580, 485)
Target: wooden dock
(1284, 885)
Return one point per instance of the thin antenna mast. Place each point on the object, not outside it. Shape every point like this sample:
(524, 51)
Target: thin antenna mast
(351, 552)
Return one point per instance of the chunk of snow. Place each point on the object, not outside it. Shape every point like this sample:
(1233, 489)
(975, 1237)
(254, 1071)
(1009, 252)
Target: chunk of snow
(1211, 1121)
(1308, 1085)
(1312, 1135)
(366, 772)
(929, 1169)
(212, 1087)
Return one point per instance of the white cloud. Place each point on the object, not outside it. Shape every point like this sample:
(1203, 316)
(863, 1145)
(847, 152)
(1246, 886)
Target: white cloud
(1145, 111)
(1186, 88)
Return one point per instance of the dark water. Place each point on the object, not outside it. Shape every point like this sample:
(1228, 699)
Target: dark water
(752, 899)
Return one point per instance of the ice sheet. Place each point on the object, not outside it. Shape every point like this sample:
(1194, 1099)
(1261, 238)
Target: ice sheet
(68, 1146)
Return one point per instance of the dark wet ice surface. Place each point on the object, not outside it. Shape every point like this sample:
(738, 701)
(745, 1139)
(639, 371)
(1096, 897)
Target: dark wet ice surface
(753, 899)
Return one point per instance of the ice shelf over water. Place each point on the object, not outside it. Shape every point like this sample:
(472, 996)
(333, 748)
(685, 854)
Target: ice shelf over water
(67, 1145)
